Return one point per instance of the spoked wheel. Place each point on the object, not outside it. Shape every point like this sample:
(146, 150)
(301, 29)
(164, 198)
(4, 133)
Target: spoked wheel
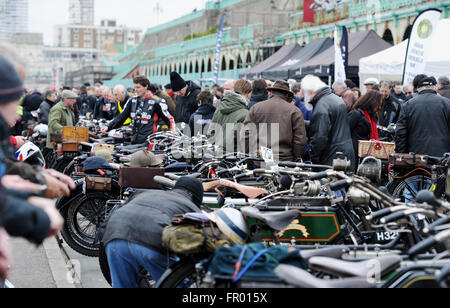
(406, 189)
(82, 218)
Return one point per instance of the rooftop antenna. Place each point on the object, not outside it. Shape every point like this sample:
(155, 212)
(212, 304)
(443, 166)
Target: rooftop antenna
(158, 11)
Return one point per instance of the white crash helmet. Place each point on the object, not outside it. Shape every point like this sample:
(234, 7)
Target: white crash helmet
(30, 154)
(115, 134)
(232, 224)
(42, 129)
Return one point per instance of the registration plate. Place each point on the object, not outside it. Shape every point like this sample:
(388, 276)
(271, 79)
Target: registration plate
(381, 237)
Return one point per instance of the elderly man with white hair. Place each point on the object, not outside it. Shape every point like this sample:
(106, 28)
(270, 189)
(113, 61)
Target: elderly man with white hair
(106, 107)
(340, 87)
(329, 129)
(122, 98)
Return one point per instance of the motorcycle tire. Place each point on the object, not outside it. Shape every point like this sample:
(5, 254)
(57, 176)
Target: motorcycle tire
(180, 275)
(397, 187)
(94, 213)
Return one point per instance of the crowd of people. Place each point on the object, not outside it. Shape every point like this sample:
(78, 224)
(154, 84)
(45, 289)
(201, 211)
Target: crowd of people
(298, 120)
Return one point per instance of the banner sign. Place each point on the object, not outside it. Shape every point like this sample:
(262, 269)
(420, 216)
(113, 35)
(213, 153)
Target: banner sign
(344, 48)
(420, 43)
(339, 66)
(219, 48)
(308, 10)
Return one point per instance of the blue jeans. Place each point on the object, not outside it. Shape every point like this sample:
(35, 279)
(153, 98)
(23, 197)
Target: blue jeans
(126, 259)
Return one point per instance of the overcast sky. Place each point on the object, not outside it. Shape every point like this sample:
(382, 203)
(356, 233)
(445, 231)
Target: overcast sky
(44, 14)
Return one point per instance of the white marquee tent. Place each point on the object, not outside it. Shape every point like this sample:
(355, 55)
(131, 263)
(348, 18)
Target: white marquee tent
(388, 64)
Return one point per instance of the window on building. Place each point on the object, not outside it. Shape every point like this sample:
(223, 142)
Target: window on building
(209, 65)
(239, 63)
(388, 37)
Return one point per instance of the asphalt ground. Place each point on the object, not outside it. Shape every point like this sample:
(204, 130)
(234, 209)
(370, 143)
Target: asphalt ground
(53, 265)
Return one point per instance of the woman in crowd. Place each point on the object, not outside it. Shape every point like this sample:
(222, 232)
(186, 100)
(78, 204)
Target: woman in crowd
(202, 118)
(364, 116)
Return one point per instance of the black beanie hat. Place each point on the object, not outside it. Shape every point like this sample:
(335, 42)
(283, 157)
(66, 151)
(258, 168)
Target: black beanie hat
(11, 86)
(194, 186)
(177, 82)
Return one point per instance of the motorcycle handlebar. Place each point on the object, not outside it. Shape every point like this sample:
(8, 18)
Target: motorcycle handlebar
(423, 246)
(379, 213)
(426, 196)
(339, 185)
(319, 176)
(393, 217)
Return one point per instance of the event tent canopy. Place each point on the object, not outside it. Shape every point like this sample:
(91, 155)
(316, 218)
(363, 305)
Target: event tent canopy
(389, 64)
(306, 53)
(361, 44)
(281, 56)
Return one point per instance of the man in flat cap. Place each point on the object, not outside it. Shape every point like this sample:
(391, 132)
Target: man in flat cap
(424, 124)
(62, 114)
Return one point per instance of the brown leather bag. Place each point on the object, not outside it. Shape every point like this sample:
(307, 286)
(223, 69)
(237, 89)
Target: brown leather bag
(70, 146)
(140, 177)
(98, 183)
(57, 138)
(408, 160)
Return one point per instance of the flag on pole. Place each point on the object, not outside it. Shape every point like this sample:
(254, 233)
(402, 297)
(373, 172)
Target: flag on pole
(344, 48)
(420, 43)
(219, 47)
(339, 66)
(308, 11)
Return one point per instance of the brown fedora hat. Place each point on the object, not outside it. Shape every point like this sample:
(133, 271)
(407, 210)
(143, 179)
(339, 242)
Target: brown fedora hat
(281, 85)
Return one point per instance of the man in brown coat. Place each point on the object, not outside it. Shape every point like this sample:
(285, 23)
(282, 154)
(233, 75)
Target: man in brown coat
(276, 124)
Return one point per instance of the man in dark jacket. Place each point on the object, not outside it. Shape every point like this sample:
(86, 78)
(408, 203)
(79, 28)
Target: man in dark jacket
(145, 110)
(391, 109)
(47, 104)
(329, 130)
(86, 103)
(106, 108)
(259, 93)
(290, 141)
(424, 124)
(444, 87)
(201, 119)
(133, 236)
(398, 94)
(186, 93)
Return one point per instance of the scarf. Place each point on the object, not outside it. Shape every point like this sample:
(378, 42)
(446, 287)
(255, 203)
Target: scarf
(374, 129)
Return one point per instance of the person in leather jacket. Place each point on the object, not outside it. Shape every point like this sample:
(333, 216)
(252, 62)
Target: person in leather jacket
(424, 124)
(145, 110)
(329, 129)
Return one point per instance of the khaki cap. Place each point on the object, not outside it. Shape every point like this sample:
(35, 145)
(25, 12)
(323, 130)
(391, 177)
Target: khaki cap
(67, 94)
(145, 159)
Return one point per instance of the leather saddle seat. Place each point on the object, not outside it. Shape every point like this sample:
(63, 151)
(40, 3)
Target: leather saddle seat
(303, 279)
(278, 221)
(382, 265)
